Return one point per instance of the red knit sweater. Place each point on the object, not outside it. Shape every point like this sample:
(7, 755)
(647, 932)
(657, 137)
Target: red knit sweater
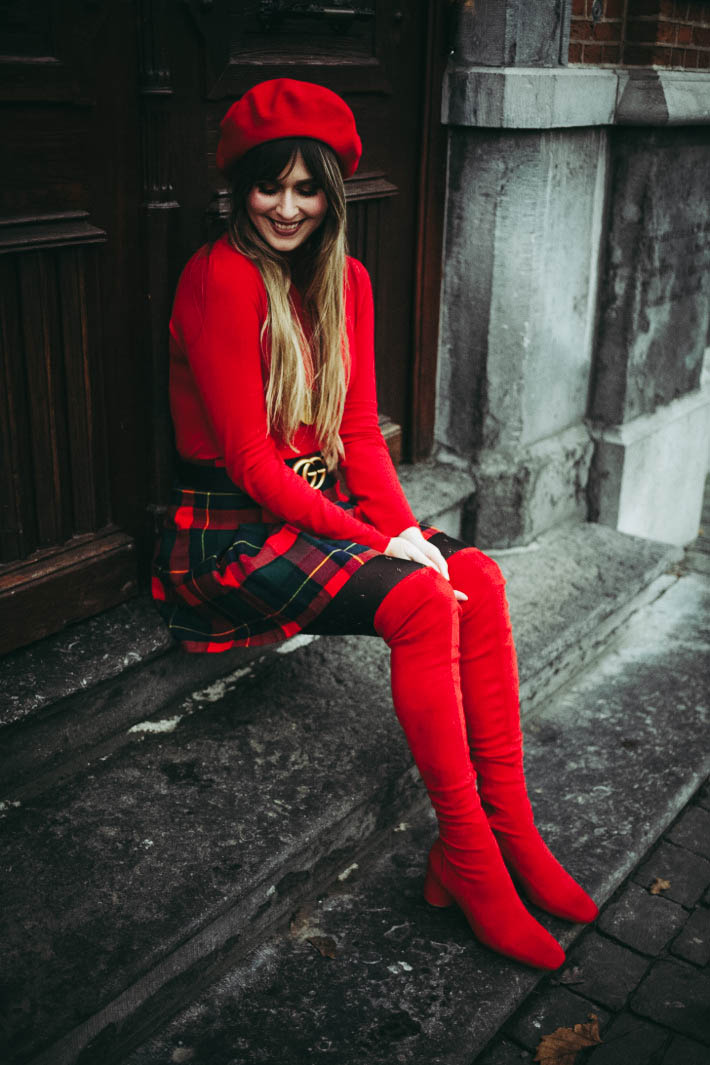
(217, 399)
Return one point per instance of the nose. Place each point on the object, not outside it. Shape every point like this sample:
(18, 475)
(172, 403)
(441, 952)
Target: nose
(287, 207)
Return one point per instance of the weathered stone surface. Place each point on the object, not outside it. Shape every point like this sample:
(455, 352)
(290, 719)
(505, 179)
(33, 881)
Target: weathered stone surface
(677, 995)
(693, 831)
(587, 820)
(517, 316)
(663, 97)
(682, 1051)
(565, 591)
(549, 1008)
(688, 874)
(80, 656)
(655, 297)
(603, 971)
(503, 1052)
(556, 97)
(629, 1041)
(160, 863)
(648, 475)
(527, 490)
(528, 97)
(642, 921)
(514, 33)
(518, 286)
(693, 943)
(438, 493)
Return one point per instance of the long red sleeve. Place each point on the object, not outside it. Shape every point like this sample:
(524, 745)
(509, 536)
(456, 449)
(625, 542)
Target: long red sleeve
(219, 408)
(368, 468)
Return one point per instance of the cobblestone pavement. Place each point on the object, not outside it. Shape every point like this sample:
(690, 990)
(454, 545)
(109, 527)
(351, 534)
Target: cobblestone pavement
(643, 968)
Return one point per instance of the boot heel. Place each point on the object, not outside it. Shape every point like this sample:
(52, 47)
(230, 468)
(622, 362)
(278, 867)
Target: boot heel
(434, 893)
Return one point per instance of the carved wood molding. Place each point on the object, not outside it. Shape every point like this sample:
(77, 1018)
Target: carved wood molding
(42, 231)
(369, 186)
(57, 587)
(245, 45)
(47, 53)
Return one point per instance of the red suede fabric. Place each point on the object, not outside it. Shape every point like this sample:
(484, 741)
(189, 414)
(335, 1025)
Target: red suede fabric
(419, 619)
(284, 107)
(489, 682)
(217, 380)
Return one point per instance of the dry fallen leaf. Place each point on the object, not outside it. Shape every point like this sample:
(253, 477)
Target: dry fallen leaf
(324, 945)
(659, 885)
(301, 919)
(562, 1046)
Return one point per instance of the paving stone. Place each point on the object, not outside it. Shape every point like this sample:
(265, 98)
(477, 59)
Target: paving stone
(553, 1006)
(603, 971)
(678, 996)
(693, 831)
(687, 873)
(630, 1041)
(503, 1052)
(642, 921)
(682, 1051)
(693, 943)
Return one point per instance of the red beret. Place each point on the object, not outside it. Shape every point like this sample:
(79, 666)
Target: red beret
(287, 108)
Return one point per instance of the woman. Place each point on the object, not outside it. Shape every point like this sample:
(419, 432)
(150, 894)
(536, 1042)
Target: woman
(273, 400)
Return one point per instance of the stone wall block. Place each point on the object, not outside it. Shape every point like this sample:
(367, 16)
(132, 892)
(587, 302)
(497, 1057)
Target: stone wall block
(655, 293)
(515, 33)
(522, 493)
(520, 267)
(648, 474)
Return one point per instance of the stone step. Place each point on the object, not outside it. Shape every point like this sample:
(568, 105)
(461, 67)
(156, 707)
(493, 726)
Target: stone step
(156, 864)
(73, 695)
(366, 971)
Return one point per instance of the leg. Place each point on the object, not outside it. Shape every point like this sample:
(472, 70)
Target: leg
(489, 681)
(419, 619)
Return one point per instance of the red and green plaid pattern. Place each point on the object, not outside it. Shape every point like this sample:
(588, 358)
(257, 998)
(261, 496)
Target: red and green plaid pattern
(225, 573)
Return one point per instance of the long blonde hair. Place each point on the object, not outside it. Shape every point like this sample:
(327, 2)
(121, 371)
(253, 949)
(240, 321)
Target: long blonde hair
(307, 376)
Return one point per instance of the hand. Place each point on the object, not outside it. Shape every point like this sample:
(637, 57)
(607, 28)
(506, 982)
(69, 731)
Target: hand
(410, 544)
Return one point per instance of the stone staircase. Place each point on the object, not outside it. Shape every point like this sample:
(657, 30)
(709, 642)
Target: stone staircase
(243, 840)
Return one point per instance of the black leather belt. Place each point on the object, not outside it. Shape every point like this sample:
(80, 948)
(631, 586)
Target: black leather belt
(205, 478)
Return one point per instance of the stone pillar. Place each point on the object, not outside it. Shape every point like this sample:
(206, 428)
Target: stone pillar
(545, 197)
(526, 178)
(649, 407)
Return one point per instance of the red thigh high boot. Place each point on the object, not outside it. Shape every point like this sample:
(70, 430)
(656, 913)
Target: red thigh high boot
(489, 683)
(419, 620)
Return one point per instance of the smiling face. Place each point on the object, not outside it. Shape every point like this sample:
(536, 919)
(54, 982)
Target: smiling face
(289, 209)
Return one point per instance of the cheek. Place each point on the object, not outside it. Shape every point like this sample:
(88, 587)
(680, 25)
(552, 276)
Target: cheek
(256, 204)
(319, 208)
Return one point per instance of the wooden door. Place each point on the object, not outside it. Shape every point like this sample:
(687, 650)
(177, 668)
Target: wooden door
(111, 118)
(71, 426)
(385, 58)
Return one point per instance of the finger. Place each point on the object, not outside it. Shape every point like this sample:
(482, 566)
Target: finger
(460, 595)
(433, 552)
(418, 556)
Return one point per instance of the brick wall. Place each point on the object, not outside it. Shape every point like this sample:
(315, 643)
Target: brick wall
(664, 33)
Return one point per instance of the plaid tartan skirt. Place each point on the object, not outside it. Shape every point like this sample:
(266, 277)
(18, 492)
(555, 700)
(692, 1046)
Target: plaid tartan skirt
(227, 573)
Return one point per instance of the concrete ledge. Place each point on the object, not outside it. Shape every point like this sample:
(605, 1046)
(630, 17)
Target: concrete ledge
(558, 97)
(663, 98)
(76, 691)
(529, 97)
(368, 972)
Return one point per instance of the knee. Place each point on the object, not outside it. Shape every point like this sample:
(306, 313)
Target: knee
(474, 573)
(421, 603)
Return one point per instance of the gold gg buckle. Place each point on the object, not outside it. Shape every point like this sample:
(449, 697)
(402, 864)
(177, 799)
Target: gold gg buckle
(313, 469)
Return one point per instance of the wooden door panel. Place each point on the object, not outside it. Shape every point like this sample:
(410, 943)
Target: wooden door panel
(374, 54)
(62, 557)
